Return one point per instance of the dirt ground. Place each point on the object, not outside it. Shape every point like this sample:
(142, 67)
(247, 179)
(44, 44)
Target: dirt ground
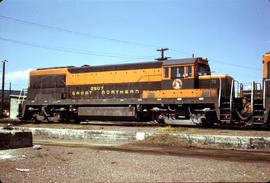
(146, 161)
(132, 163)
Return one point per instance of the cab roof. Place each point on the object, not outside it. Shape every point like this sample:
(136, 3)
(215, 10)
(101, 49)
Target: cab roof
(184, 61)
(129, 66)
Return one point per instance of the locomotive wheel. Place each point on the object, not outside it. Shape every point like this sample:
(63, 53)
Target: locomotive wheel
(160, 118)
(64, 118)
(210, 119)
(68, 117)
(207, 123)
(156, 119)
(53, 119)
(40, 118)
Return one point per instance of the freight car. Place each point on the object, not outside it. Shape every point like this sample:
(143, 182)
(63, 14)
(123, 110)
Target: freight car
(166, 91)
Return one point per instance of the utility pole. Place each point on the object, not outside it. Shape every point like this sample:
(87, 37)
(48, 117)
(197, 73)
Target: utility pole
(162, 57)
(3, 87)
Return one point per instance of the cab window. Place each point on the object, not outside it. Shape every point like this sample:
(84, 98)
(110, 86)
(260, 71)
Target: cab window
(203, 70)
(188, 71)
(166, 72)
(177, 72)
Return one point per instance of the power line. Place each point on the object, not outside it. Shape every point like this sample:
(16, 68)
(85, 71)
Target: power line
(49, 27)
(73, 32)
(86, 52)
(60, 29)
(235, 65)
(61, 49)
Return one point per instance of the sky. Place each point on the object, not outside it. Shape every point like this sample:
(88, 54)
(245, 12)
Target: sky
(232, 34)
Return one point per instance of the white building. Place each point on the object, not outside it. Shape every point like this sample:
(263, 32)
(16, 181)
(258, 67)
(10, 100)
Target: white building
(15, 101)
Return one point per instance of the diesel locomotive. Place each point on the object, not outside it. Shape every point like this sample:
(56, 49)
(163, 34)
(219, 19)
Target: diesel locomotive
(169, 91)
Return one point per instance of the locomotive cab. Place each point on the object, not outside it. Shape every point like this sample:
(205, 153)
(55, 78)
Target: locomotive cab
(183, 73)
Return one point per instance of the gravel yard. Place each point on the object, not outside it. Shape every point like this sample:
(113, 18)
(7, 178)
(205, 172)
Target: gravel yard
(129, 163)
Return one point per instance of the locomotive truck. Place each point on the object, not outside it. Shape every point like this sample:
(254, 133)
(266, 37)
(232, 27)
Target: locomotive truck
(166, 91)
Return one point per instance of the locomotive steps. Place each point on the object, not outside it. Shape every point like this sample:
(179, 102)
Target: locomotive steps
(202, 138)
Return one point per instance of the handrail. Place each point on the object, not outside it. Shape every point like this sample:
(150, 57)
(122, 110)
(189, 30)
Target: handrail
(264, 93)
(231, 95)
(22, 95)
(241, 89)
(219, 93)
(237, 88)
(18, 100)
(252, 95)
(260, 86)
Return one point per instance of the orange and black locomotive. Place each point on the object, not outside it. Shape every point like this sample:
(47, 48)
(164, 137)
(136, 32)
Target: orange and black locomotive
(173, 91)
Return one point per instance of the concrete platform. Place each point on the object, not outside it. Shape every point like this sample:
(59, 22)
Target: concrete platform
(15, 138)
(261, 143)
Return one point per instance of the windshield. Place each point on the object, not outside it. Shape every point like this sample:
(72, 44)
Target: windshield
(203, 70)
